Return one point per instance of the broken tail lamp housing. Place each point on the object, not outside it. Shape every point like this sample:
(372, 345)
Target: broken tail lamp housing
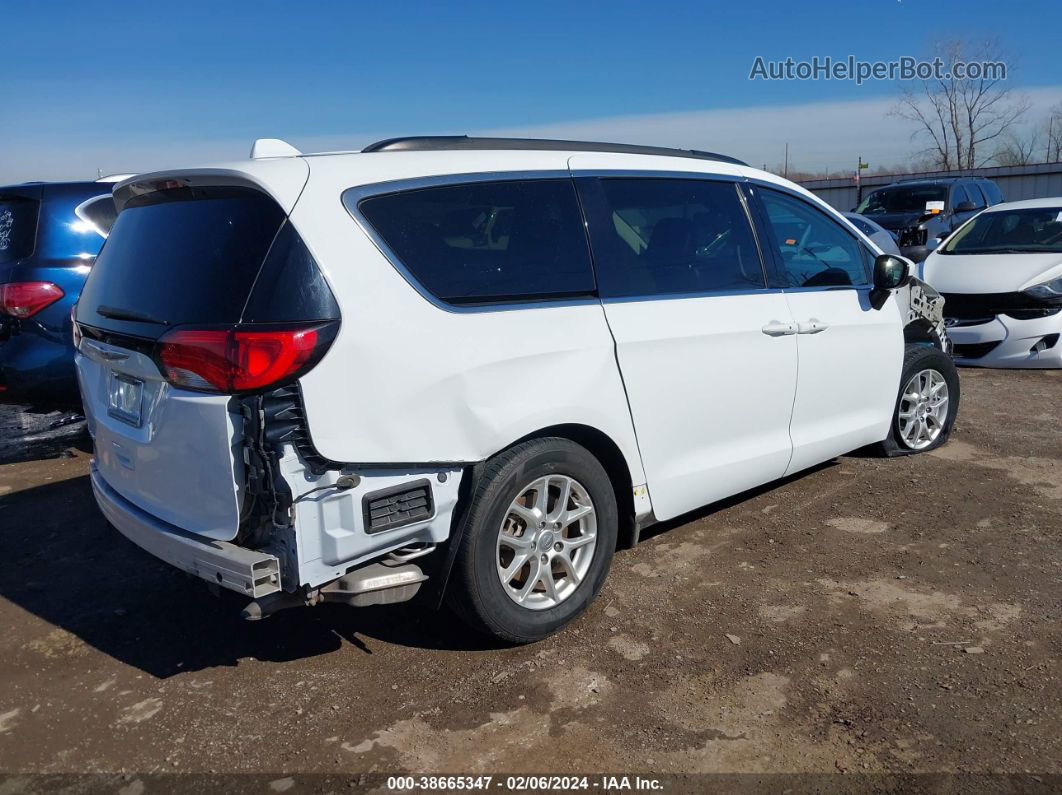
(240, 359)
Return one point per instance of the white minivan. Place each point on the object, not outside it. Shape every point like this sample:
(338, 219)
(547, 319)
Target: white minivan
(473, 368)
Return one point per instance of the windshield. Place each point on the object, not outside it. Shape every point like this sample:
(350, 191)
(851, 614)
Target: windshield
(902, 199)
(1001, 232)
(18, 227)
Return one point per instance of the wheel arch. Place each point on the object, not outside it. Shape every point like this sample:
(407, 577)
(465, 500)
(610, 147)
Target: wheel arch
(608, 453)
(920, 332)
(598, 443)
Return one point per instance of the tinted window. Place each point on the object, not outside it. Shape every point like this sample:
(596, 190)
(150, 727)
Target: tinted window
(902, 199)
(18, 227)
(1036, 229)
(180, 256)
(100, 212)
(667, 236)
(815, 250)
(488, 241)
(289, 287)
(958, 196)
(975, 195)
(989, 189)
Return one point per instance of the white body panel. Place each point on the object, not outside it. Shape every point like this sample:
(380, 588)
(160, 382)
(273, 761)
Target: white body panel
(465, 384)
(849, 372)
(183, 463)
(1016, 340)
(710, 393)
(990, 273)
(329, 534)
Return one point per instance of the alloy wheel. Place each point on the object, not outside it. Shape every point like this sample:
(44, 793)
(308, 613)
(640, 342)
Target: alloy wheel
(546, 542)
(923, 409)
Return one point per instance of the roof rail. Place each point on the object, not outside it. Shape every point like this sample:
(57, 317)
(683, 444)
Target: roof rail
(427, 143)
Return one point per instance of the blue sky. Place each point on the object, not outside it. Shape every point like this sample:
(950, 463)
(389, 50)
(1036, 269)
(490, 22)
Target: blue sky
(134, 86)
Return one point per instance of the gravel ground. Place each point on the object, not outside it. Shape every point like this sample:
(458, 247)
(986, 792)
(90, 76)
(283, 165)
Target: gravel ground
(869, 616)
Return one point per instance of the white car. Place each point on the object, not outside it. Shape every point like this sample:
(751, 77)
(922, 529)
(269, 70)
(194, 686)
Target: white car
(472, 368)
(1001, 276)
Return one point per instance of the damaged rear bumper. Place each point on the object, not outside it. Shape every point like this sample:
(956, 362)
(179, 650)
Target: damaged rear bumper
(246, 571)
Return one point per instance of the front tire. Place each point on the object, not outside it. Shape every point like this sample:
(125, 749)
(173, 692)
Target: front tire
(539, 536)
(927, 402)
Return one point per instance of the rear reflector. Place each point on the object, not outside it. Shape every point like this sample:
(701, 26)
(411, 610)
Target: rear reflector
(241, 359)
(25, 299)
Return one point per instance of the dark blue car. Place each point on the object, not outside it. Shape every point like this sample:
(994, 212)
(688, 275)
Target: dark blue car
(50, 234)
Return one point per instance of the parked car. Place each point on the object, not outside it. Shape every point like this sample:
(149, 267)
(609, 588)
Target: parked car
(882, 237)
(1001, 274)
(472, 368)
(50, 234)
(922, 212)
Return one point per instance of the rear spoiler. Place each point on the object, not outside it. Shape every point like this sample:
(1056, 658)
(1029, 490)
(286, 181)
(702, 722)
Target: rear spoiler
(282, 179)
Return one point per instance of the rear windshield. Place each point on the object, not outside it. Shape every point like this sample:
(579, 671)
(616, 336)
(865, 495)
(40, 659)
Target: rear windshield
(902, 199)
(179, 257)
(1031, 230)
(18, 227)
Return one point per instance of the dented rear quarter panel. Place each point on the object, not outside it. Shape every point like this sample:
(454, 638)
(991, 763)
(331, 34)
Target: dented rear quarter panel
(409, 382)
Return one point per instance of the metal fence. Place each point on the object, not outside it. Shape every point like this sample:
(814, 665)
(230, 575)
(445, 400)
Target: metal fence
(1016, 182)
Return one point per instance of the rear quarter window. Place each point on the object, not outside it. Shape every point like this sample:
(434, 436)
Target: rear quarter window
(992, 193)
(976, 196)
(99, 212)
(488, 242)
(18, 227)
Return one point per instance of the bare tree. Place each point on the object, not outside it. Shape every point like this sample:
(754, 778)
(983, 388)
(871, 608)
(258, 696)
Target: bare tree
(1017, 149)
(957, 117)
(1053, 134)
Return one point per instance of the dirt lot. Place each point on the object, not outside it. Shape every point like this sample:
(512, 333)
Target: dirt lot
(868, 616)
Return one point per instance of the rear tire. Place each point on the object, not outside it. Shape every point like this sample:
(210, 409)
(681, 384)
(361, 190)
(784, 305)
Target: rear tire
(539, 536)
(919, 422)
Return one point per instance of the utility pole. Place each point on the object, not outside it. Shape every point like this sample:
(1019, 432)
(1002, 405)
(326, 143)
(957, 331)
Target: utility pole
(785, 166)
(860, 165)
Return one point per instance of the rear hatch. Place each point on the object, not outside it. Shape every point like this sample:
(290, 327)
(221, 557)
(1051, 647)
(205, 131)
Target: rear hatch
(202, 293)
(19, 209)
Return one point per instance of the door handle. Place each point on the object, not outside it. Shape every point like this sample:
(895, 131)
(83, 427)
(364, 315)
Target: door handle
(812, 326)
(776, 328)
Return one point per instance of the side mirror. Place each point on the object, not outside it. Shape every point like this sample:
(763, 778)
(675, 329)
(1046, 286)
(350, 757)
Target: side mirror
(890, 272)
(965, 207)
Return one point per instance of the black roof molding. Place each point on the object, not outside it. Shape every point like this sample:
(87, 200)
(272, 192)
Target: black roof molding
(955, 178)
(429, 143)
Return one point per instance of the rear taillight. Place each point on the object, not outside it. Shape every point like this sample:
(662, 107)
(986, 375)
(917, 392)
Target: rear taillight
(244, 359)
(25, 299)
